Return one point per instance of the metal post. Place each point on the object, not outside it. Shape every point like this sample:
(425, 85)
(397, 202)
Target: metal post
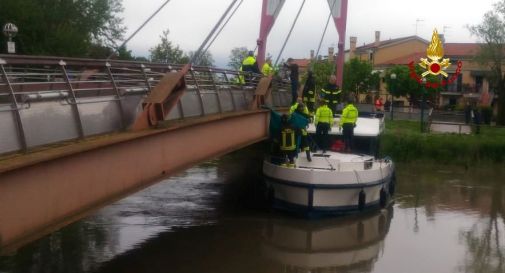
(118, 95)
(197, 90)
(17, 115)
(217, 90)
(392, 106)
(73, 100)
(149, 87)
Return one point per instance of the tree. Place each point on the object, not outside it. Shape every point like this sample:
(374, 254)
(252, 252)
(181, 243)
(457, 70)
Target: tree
(322, 70)
(236, 56)
(405, 85)
(63, 27)
(166, 52)
(358, 76)
(205, 60)
(491, 54)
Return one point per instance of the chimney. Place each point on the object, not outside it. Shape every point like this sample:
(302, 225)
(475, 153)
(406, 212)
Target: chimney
(312, 54)
(377, 38)
(331, 51)
(354, 41)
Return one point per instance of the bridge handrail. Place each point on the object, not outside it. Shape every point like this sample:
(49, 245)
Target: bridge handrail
(50, 99)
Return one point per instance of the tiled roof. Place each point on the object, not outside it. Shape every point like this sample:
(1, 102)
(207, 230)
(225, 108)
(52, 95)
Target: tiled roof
(389, 42)
(450, 49)
(461, 49)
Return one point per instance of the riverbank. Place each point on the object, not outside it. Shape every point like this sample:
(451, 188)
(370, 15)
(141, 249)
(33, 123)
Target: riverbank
(403, 141)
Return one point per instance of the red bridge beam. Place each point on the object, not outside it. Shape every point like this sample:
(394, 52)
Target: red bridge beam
(43, 191)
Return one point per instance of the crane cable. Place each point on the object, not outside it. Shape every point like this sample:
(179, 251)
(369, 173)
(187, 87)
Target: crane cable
(220, 30)
(200, 49)
(138, 29)
(289, 34)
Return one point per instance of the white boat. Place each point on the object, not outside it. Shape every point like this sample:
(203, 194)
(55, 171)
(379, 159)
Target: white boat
(334, 182)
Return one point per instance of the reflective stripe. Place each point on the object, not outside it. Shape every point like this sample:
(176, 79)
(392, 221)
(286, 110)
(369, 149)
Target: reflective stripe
(288, 140)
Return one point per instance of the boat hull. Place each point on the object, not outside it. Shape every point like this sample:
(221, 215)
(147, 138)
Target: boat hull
(347, 193)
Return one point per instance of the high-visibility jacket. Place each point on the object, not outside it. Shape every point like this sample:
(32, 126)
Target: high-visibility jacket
(288, 139)
(293, 108)
(267, 70)
(249, 65)
(249, 60)
(324, 114)
(240, 77)
(349, 115)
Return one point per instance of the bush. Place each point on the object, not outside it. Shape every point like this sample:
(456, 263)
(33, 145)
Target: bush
(404, 143)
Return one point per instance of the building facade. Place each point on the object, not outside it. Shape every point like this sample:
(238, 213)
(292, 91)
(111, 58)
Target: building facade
(384, 54)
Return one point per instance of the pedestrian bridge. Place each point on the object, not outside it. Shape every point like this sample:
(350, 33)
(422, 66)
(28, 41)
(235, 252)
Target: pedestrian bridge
(77, 134)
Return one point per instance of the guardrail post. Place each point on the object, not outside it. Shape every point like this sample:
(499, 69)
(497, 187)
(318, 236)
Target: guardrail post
(217, 90)
(146, 79)
(118, 95)
(73, 99)
(17, 115)
(191, 70)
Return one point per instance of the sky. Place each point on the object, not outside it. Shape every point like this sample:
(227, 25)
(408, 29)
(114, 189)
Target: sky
(190, 21)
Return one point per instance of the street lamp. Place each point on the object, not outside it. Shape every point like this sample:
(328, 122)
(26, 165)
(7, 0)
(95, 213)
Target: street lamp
(393, 83)
(423, 103)
(10, 30)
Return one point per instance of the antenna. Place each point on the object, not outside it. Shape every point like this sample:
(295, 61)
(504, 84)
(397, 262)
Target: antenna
(417, 23)
(444, 28)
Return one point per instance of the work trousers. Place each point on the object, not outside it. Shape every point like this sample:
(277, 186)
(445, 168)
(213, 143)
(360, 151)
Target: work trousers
(323, 140)
(348, 133)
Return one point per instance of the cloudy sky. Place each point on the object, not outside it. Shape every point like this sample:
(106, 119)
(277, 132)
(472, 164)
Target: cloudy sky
(189, 22)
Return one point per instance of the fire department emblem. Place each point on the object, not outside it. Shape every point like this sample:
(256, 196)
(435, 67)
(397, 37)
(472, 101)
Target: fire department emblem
(435, 64)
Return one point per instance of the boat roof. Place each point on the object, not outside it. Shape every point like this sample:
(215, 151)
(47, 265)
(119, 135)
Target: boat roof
(365, 127)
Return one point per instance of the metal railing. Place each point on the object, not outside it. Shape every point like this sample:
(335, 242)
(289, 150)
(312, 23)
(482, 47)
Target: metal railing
(47, 99)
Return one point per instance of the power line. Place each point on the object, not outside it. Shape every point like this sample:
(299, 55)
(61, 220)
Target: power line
(138, 29)
(221, 29)
(289, 34)
(198, 52)
(325, 28)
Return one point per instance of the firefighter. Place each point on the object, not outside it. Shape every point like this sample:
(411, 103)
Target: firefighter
(309, 92)
(323, 122)
(287, 141)
(331, 93)
(249, 65)
(294, 107)
(267, 69)
(302, 111)
(347, 124)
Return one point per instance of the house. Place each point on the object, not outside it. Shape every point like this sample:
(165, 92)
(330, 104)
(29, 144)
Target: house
(384, 54)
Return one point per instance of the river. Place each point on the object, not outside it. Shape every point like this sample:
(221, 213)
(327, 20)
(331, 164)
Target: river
(212, 218)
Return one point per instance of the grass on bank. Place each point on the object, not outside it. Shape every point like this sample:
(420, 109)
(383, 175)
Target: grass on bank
(403, 141)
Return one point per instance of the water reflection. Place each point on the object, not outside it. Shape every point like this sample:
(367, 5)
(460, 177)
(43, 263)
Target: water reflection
(472, 198)
(332, 245)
